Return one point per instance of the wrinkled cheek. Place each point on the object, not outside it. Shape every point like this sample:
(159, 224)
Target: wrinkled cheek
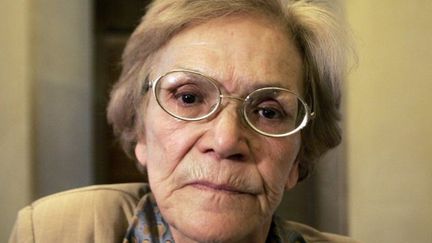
(165, 156)
(275, 176)
(161, 138)
(274, 197)
(159, 167)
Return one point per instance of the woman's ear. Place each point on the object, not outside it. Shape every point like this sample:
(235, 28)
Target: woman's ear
(141, 153)
(292, 176)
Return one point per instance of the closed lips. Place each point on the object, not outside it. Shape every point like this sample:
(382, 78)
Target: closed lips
(218, 187)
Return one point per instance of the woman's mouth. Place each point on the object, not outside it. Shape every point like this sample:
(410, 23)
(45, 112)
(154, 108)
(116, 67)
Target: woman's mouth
(226, 188)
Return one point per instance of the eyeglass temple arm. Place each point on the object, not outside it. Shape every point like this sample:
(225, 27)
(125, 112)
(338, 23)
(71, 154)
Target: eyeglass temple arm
(146, 85)
(314, 101)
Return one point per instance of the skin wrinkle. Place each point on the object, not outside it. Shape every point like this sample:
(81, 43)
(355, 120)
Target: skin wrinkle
(235, 178)
(222, 149)
(229, 77)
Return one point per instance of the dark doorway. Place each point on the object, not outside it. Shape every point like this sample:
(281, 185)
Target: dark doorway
(114, 21)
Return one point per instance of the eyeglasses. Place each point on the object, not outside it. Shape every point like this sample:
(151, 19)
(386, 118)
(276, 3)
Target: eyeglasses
(191, 96)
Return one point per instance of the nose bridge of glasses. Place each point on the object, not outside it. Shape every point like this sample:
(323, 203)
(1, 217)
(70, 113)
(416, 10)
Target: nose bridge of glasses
(237, 109)
(231, 97)
(224, 98)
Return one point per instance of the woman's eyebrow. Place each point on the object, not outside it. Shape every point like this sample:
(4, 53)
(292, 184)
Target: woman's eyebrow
(249, 86)
(265, 84)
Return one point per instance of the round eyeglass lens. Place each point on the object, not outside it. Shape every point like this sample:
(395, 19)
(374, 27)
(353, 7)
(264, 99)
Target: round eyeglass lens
(275, 111)
(187, 95)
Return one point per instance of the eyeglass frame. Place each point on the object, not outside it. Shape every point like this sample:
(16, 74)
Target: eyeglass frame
(310, 115)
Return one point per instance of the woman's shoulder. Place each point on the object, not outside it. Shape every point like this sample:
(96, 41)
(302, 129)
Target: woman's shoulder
(101, 211)
(126, 191)
(311, 234)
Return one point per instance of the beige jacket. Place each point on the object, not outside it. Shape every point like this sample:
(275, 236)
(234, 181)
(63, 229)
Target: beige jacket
(101, 214)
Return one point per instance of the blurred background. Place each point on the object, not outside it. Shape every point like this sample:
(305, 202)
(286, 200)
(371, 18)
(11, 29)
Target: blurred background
(59, 58)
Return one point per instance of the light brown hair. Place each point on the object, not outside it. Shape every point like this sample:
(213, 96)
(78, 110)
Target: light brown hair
(317, 32)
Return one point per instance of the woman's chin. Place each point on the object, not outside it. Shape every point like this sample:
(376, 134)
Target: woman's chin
(213, 216)
(215, 233)
(211, 227)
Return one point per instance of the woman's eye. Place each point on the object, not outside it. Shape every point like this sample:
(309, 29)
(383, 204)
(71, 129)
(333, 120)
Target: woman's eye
(187, 98)
(270, 113)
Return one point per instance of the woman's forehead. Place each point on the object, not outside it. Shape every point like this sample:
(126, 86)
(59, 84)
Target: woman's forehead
(236, 51)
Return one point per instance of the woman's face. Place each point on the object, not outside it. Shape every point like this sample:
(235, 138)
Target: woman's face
(217, 179)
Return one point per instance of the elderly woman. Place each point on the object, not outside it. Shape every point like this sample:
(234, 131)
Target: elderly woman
(225, 105)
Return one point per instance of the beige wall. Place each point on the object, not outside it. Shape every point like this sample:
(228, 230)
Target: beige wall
(389, 121)
(15, 111)
(45, 101)
(62, 49)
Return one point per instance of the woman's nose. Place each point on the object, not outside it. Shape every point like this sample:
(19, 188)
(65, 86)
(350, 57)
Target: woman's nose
(226, 136)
